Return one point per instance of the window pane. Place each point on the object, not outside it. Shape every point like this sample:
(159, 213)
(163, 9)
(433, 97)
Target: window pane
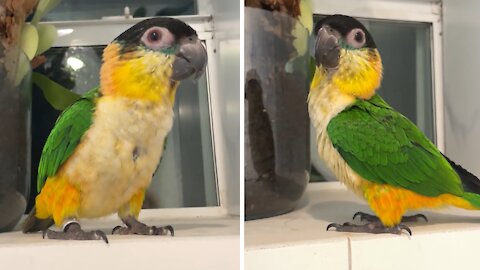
(186, 175)
(407, 79)
(407, 76)
(69, 10)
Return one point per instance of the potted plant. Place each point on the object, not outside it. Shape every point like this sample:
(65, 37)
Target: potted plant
(21, 48)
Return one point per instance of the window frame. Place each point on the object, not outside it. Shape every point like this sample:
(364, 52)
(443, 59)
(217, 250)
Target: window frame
(105, 31)
(422, 11)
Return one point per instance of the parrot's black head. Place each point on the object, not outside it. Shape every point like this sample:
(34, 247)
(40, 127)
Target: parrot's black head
(155, 29)
(169, 37)
(345, 49)
(337, 32)
(346, 28)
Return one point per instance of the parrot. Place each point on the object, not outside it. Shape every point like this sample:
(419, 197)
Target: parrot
(371, 148)
(104, 149)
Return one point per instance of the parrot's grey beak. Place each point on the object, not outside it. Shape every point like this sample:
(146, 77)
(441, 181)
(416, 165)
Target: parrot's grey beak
(191, 59)
(327, 50)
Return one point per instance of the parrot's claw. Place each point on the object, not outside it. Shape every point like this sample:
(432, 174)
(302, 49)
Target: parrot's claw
(372, 218)
(414, 218)
(364, 216)
(404, 227)
(148, 230)
(73, 231)
(373, 227)
(136, 227)
(333, 225)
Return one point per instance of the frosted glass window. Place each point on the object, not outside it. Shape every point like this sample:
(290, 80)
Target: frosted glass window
(405, 48)
(69, 10)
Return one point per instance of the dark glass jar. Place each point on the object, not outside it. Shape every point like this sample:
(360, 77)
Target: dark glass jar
(277, 157)
(15, 107)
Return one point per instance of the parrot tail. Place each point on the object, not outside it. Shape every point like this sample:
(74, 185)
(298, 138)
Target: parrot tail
(34, 224)
(470, 183)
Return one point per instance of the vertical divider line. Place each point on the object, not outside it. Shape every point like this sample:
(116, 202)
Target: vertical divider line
(349, 253)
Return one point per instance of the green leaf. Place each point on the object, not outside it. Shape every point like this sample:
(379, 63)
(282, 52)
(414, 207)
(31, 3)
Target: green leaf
(43, 7)
(47, 34)
(306, 14)
(29, 40)
(58, 96)
(23, 68)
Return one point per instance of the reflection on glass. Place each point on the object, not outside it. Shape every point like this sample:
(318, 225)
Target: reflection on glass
(186, 176)
(405, 48)
(276, 117)
(69, 10)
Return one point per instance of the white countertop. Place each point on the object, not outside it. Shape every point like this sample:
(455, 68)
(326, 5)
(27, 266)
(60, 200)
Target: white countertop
(201, 242)
(298, 240)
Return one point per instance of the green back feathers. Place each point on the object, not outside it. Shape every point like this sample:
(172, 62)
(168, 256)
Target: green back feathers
(384, 147)
(66, 135)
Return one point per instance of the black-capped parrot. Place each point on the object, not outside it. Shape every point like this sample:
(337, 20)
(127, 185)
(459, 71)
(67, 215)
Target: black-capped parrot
(371, 148)
(103, 150)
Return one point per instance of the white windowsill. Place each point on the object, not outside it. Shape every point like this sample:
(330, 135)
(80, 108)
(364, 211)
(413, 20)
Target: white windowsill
(201, 242)
(298, 240)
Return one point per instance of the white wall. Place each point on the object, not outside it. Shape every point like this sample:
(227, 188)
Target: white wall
(461, 82)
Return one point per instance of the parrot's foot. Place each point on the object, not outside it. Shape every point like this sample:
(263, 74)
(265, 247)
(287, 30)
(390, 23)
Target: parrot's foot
(73, 231)
(136, 227)
(372, 218)
(373, 227)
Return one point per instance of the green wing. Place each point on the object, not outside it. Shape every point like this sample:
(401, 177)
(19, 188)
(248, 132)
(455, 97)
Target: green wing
(384, 147)
(66, 135)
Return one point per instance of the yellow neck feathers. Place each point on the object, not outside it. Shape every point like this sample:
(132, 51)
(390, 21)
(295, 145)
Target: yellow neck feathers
(138, 74)
(359, 73)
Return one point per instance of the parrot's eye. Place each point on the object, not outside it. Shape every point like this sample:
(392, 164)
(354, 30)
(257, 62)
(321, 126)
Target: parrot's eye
(356, 38)
(157, 38)
(154, 35)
